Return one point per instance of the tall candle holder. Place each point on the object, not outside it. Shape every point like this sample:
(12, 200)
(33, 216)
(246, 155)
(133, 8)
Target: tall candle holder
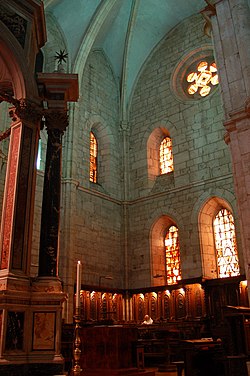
(76, 370)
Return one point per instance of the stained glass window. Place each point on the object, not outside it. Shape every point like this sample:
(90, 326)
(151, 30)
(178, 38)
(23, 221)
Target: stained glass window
(166, 156)
(172, 250)
(202, 80)
(93, 159)
(225, 244)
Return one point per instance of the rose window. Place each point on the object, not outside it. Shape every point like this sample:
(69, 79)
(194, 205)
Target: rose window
(203, 80)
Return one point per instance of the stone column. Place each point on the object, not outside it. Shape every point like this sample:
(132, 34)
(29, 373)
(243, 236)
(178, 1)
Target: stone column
(56, 122)
(231, 36)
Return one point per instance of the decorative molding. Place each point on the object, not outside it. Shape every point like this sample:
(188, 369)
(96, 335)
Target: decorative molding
(25, 111)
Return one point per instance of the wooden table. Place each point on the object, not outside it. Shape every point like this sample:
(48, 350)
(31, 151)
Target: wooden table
(201, 357)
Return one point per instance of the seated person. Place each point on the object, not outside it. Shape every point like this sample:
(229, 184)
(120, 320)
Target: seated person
(147, 320)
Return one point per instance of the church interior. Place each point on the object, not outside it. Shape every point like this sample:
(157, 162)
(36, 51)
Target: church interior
(124, 187)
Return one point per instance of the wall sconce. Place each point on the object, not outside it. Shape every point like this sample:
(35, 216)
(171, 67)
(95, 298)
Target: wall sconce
(104, 277)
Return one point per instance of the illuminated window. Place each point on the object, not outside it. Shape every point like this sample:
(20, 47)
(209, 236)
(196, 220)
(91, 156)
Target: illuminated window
(39, 155)
(93, 159)
(200, 81)
(172, 250)
(166, 156)
(225, 244)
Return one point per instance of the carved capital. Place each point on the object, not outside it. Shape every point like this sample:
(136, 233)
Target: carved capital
(56, 119)
(25, 111)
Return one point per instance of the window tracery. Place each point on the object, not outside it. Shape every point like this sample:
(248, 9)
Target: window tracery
(200, 81)
(172, 251)
(166, 156)
(225, 244)
(93, 158)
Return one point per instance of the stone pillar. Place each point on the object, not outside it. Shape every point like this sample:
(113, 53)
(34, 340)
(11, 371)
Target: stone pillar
(56, 123)
(231, 36)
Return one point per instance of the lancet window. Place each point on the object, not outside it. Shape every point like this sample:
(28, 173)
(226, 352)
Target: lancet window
(93, 158)
(225, 244)
(172, 251)
(166, 156)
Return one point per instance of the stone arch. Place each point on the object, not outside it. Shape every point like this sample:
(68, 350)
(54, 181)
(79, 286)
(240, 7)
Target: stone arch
(146, 152)
(209, 209)
(12, 56)
(153, 145)
(163, 220)
(106, 145)
(12, 78)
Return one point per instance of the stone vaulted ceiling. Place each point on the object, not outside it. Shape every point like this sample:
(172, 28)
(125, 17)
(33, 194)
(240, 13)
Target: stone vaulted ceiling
(126, 30)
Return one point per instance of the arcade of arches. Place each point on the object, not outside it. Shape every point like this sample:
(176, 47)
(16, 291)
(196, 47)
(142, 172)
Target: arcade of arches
(125, 145)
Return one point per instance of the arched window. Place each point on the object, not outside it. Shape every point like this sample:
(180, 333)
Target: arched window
(166, 156)
(225, 244)
(93, 159)
(172, 251)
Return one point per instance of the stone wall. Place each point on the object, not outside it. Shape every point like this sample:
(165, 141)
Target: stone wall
(202, 163)
(92, 215)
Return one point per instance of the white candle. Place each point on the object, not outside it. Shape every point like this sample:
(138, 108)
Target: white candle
(78, 284)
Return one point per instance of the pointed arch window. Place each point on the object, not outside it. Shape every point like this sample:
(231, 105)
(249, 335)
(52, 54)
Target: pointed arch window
(93, 158)
(166, 156)
(225, 244)
(172, 251)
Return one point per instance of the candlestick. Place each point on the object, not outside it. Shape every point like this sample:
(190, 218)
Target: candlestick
(78, 284)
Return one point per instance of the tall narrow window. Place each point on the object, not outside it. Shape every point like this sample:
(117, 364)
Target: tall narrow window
(172, 250)
(39, 155)
(225, 244)
(93, 159)
(166, 156)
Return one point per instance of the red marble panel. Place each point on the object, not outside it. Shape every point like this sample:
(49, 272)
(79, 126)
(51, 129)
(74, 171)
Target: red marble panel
(10, 195)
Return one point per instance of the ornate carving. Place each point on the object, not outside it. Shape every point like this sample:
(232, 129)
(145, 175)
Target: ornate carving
(26, 111)
(207, 13)
(15, 23)
(6, 97)
(56, 119)
(5, 134)
(22, 109)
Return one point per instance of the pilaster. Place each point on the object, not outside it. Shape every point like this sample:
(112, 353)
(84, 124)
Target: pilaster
(231, 37)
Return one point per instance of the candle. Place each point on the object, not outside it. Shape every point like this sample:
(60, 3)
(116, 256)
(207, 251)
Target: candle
(78, 284)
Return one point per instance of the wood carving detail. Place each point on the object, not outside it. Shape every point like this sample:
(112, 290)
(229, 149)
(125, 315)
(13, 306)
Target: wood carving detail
(15, 23)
